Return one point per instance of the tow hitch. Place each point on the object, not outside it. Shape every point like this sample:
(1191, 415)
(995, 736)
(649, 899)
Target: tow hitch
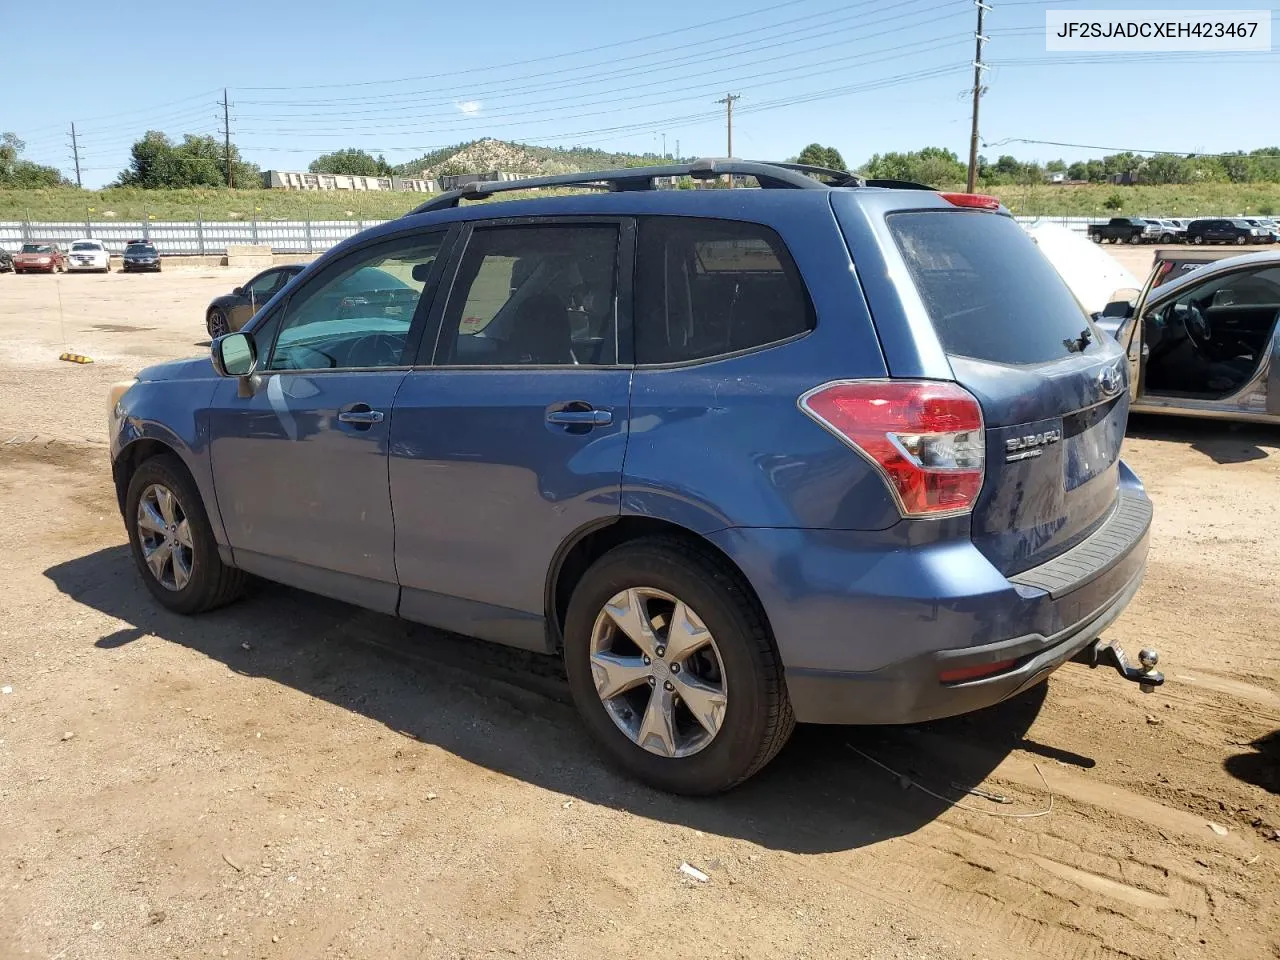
(1102, 653)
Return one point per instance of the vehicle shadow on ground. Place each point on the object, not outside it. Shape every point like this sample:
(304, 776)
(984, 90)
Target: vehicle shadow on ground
(1219, 441)
(509, 711)
(1261, 767)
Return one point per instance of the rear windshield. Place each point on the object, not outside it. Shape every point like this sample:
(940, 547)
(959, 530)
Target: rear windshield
(85, 246)
(989, 290)
(140, 248)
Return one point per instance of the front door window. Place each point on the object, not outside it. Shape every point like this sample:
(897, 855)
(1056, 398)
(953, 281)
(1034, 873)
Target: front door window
(1210, 341)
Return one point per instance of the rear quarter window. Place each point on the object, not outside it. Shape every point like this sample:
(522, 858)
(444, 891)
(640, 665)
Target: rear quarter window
(707, 288)
(989, 291)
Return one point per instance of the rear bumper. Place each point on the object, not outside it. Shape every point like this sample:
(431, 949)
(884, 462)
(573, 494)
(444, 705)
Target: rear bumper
(872, 651)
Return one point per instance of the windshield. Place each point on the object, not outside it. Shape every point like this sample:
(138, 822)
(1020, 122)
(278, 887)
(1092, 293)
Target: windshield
(991, 294)
(87, 245)
(37, 248)
(140, 248)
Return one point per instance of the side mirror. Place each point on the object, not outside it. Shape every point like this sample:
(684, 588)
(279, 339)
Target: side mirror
(238, 292)
(234, 355)
(422, 271)
(1118, 310)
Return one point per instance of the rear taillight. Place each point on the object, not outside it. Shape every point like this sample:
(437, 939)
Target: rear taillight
(926, 437)
(976, 200)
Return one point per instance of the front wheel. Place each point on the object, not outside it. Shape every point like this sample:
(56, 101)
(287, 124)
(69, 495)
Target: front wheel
(673, 669)
(1198, 240)
(217, 324)
(1135, 240)
(172, 540)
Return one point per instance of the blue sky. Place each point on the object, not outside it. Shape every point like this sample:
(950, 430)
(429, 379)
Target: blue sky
(865, 76)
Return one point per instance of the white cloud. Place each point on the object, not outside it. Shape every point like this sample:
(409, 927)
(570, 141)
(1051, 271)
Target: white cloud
(469, 107)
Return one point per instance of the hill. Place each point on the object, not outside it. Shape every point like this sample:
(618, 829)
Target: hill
(490, 154)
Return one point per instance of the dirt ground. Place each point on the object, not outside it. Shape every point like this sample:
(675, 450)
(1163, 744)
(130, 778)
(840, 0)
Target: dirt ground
(294, 778)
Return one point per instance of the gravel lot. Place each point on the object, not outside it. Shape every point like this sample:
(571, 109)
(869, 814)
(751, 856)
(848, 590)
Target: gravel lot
(292, 777)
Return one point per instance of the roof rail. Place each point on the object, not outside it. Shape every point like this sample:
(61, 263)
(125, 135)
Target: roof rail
(769, 175)
(839, 178)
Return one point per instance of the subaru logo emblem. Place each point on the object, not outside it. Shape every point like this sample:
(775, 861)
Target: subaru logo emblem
(1109, 381)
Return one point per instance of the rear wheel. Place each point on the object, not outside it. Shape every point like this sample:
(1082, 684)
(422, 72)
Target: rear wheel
(673, 668)
(172, 540)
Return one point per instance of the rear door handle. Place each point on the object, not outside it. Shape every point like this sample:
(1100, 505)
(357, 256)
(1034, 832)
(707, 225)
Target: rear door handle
(581, 418)
(361, 416)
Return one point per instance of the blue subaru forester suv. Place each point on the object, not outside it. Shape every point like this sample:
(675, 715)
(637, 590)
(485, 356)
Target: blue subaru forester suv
(822, 451)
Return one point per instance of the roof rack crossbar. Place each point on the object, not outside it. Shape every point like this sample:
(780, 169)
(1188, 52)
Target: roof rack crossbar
(769, 175)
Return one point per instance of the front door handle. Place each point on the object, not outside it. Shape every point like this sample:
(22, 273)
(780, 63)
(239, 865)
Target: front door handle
(361, 415)
(581, 418)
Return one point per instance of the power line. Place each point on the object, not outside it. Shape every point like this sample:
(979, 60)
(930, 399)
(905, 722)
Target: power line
(448, 95)
(1188, 154)
(611, 101)
(718, 22)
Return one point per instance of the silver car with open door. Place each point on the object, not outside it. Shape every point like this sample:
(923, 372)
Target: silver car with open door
(1206, 342)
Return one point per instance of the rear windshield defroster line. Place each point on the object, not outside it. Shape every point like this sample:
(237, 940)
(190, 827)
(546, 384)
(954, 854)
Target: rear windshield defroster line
(989, 291)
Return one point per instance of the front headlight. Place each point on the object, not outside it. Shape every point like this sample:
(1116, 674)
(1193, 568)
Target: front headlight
(43, 260)
(114, 396)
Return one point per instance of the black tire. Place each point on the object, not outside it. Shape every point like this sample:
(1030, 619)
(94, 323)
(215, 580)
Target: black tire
(1241, 241)
(1135, 239)
(212, 583)
(217, 324)
(1198, 240)
(758, 718)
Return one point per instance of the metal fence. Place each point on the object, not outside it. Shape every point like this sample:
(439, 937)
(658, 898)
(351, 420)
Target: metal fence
(191, 238)
(210, 237)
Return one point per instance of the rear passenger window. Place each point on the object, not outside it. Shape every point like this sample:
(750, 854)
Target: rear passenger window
(705, 288)
(537, 295)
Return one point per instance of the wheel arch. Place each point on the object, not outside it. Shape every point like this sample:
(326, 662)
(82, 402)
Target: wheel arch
(135, 455)
(589, 543)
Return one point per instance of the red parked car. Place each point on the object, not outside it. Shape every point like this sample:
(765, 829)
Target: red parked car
(39, 258)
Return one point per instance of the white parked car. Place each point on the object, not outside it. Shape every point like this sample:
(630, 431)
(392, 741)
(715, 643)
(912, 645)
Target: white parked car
(89, 255)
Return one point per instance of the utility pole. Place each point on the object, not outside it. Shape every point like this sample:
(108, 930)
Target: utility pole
(226, 137)
(978, 67)
(75, 152)
(664, 147)
(677, 149)
(728, 118)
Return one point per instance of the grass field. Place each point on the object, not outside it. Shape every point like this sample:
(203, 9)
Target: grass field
(1174, 200)
(127, 203)
(63, 203)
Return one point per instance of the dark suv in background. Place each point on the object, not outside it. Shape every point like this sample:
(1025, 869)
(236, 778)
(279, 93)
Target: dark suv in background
(822, 451)
(1239, 232)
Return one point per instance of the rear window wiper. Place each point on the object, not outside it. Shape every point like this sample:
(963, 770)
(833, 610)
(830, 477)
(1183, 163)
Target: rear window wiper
(1078, 344)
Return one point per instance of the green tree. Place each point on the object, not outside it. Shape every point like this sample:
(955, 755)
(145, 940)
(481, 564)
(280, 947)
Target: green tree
(935, 166)
(156, 163)
(1056, 166)
(352, 161)
(23, 174)
(1078, 171)
(816, 155)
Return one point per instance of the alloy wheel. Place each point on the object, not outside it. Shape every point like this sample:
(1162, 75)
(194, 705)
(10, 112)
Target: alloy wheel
(164, 534)
(658, 672)
(218, 324)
